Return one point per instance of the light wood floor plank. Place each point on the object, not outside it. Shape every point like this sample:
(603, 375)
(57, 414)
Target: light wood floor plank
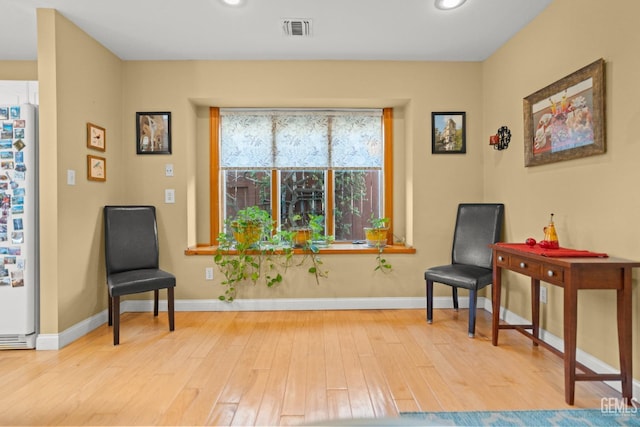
(247, 409)
(333, 328)
(270, 409)
(359, 399)
(295, 393)
(338, 404)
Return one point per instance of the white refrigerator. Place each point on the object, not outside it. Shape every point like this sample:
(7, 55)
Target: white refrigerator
(18, 226)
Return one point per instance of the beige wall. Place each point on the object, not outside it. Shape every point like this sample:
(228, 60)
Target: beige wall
(414, 89)
(80, 81)
(18, 70)
(595, 200)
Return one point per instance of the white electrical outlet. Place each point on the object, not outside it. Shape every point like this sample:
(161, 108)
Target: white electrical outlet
(208, 273)
(168, 169)
(543, 294)
(169, 195)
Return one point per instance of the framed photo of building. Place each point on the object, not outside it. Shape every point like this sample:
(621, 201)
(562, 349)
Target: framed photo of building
(448, 131)
(566, 119)
(153, 133)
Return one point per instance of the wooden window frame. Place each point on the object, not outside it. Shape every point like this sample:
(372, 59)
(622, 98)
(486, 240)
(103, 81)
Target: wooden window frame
(215, 225)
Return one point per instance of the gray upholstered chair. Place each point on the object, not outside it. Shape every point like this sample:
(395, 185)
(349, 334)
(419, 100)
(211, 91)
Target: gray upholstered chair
(132, 253)
(477, 226)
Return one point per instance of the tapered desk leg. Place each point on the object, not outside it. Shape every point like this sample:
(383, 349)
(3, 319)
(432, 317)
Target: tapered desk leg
(535, 308)
(495, 299)
(625, 336)
(570, 327)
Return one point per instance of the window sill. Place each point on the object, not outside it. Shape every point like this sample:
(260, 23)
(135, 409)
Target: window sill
(334, 249)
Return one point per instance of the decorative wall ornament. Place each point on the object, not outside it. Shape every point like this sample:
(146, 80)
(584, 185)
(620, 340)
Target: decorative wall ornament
(500, 141)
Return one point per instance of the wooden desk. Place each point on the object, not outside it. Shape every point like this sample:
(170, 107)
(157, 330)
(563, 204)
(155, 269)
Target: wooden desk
(572, 274)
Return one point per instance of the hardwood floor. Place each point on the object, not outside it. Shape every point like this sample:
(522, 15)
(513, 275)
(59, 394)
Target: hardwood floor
(281, 368)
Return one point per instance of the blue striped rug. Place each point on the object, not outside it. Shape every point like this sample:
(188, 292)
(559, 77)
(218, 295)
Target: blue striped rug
(570, 417)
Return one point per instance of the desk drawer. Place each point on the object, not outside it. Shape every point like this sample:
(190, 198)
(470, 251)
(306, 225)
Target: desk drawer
(502, 260)
(538, 270)
(525, 266)
(552, 274)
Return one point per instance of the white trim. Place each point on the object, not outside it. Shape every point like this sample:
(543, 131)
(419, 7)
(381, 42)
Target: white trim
(282, 304)
(69, 335)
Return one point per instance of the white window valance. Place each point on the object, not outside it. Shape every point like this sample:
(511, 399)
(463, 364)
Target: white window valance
(301, 139)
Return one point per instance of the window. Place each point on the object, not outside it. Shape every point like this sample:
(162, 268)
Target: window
(296, 163)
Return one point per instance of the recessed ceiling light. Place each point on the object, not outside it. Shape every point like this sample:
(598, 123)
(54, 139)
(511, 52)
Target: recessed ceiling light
(233, 2)
(449, 4)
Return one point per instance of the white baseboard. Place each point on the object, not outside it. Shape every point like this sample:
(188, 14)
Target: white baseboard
(66, 337)
(57, 341)
(286, 304)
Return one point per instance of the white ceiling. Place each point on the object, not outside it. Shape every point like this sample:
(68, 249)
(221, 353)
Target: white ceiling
(411, 30)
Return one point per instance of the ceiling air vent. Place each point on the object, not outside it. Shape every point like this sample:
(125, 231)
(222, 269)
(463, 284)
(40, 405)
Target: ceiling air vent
(296, 27)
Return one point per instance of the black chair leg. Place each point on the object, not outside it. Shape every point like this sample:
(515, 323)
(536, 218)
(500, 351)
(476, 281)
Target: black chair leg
(473, 302)
(156, 297)
(170, 309)
(454, 292)
(116, 320)
(429, 301)
(110, 311)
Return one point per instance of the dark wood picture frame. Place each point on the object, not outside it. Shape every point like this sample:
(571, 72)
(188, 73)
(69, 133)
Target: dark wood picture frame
(566, 120)
(96, 137)
(153, 133)
(448, 133)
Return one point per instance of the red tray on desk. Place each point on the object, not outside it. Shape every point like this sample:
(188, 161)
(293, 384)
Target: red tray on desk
(557, 253)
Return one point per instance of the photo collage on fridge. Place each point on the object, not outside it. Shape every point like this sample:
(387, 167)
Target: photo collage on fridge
(13, 176)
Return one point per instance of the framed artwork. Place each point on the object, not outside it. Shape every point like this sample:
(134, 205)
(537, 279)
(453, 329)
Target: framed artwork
(153, 131)
(96, 168)
(96, 137)
(448, 133)
(565, 120)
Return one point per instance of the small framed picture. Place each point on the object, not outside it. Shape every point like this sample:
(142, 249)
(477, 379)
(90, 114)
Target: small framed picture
(96, 168)
(153, 131)
(96, 137)
(448, 133)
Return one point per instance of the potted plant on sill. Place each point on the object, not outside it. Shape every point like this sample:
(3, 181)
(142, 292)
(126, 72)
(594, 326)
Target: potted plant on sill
(240, 255)
(309, 238)
(312, 230)
(376, 237)
(249, 225)
(252, 251)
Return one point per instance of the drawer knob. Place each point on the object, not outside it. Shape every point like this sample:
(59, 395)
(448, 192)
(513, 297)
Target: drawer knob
(523, 265)
(500, 258)
(550, 273)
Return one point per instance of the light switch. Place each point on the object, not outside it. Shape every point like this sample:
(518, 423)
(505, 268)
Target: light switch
(168, 169)
(169, 195)
(71, 177)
